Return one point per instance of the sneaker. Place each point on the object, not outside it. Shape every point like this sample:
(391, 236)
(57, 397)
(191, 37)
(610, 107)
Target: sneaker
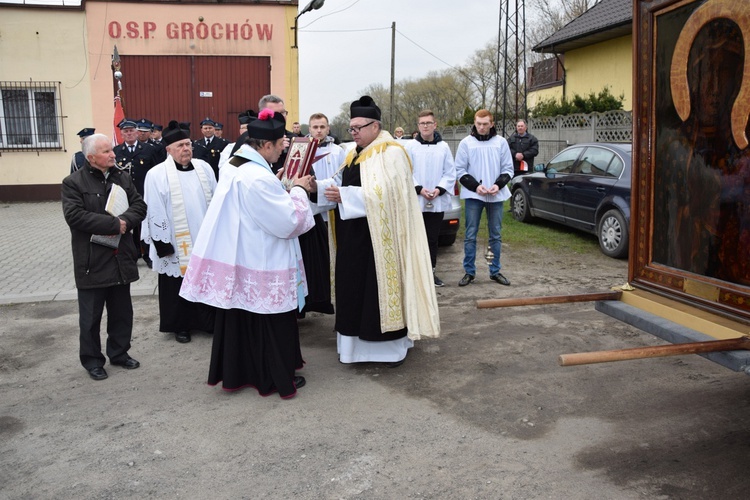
(438, 281)
(468, 278)
(499, 278)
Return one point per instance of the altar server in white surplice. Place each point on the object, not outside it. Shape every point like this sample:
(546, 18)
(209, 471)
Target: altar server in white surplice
(177, 192)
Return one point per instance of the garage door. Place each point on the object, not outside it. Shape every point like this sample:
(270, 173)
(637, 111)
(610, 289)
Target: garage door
(190, 88)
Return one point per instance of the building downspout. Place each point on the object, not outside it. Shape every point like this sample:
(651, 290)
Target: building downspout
(564, 75)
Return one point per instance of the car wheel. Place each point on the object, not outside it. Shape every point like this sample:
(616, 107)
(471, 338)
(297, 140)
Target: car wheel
(613, 234)
(520, 206)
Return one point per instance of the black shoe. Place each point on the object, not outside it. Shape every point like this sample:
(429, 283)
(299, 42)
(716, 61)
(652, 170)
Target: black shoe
(299, 382)
(97, 373)
(395, 364)
(182, 337)
(438, 281)
(127, 363)
(148, 261)
(499, 278)
(468, 278)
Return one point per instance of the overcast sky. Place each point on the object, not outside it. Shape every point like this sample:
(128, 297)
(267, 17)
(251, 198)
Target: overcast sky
(346, 45)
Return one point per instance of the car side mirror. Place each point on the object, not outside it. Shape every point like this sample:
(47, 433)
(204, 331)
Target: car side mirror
(539, 167)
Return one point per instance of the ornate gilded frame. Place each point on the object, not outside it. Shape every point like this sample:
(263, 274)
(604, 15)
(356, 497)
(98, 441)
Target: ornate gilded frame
(657, 26)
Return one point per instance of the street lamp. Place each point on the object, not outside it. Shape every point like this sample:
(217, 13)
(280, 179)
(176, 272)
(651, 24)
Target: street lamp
(313, 5)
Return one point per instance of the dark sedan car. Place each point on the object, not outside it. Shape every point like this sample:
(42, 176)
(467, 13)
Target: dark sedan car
(586, 186)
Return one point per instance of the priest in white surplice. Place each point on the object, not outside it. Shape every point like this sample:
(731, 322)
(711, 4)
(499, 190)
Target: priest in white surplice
(247, 263)
(177, 192)
(385, 297)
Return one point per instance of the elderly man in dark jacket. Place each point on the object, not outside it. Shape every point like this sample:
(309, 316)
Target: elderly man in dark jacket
(523, 147)
(104, 269)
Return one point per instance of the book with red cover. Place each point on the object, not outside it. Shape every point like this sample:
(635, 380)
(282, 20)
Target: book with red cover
(299, 158)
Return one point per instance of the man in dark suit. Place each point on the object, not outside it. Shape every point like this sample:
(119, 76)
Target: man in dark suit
(145, 127)
(209, 147)
(78, 158)
(219, 130)
(135, 158)
(156, 131)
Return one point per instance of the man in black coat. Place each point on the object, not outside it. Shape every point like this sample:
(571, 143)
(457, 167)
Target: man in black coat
(523, 147)
(104, 254)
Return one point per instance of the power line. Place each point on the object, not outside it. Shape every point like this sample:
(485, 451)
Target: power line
(383, 29)
(331, 13)
(346, 31)
(427, 51)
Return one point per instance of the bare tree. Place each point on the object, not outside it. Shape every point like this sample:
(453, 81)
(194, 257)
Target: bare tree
(550, 16)
(481, 72)
(443, 92)
(447, 93)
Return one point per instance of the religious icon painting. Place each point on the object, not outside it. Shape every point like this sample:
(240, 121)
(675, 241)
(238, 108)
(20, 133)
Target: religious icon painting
(691, 185)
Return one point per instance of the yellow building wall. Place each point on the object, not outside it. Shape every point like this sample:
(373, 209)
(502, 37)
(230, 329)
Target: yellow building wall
(534, 97)
(75, 48)
(608, 63)
(46, 45)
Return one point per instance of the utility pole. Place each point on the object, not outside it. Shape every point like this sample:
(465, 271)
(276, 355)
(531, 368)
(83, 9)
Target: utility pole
(513, 95)
(393, 72)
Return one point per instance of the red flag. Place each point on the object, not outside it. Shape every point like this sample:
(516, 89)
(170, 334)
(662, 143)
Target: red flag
(119, 116)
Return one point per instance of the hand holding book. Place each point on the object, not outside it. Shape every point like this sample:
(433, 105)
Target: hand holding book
(117, 203)
(299, 161)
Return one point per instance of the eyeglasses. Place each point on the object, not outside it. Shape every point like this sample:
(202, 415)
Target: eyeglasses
(425, 124)
(356, 129)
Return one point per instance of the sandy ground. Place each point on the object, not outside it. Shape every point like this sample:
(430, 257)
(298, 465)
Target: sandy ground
(483, 412)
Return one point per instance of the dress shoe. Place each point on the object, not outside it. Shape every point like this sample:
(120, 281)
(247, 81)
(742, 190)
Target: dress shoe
(299, 382)
(148, 261)
(127, 363)
(468, 278)
(182, 337)
(499, 278)
(97, 373)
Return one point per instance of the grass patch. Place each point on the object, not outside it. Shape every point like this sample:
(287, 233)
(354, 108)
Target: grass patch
(539, 233)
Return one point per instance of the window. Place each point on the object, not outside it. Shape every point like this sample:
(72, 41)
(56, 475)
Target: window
(563, 163)
(615, 168)
(30, 118)
(595, 161)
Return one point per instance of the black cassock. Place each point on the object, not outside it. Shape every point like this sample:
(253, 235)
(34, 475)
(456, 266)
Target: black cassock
(256, 350)
(314, 247)
(179, 315)
(357, 307)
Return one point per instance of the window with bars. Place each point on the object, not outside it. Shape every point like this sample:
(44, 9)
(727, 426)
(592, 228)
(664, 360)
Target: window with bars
(30, 116)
